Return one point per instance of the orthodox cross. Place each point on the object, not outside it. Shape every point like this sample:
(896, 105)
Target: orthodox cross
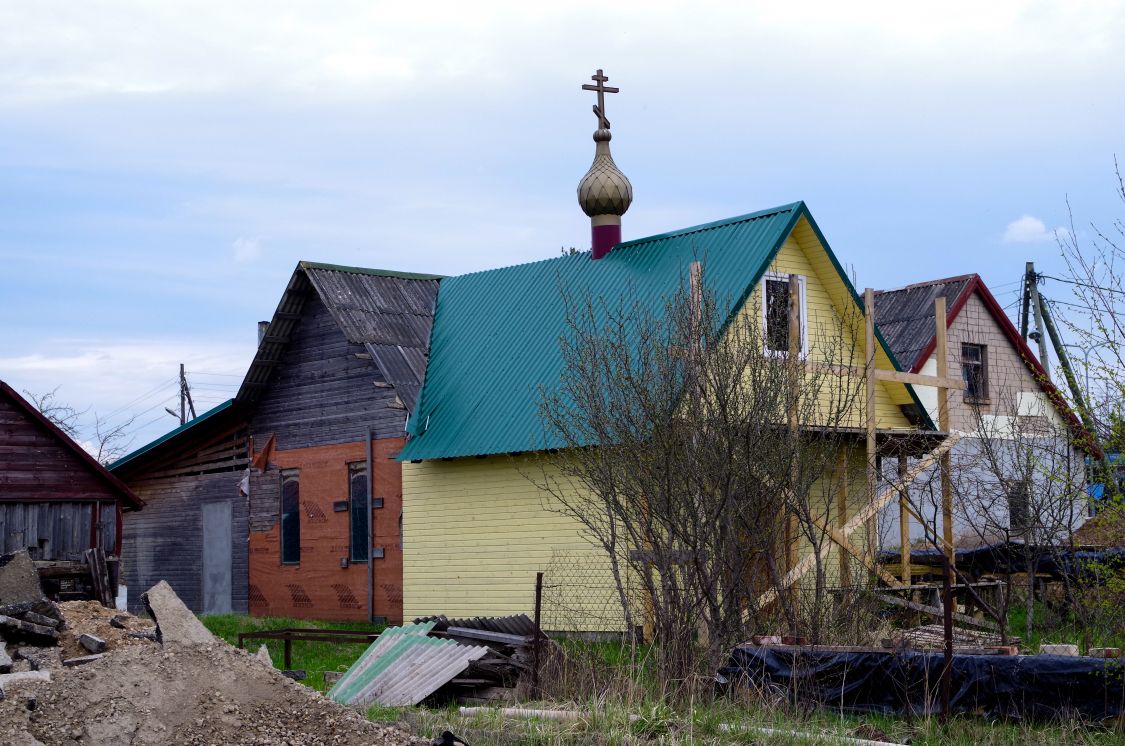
(602, 89)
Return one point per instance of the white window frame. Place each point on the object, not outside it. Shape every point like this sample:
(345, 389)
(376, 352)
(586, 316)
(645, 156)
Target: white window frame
(801, 289)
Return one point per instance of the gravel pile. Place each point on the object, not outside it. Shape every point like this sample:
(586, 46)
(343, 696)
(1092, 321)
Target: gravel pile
(200, 694)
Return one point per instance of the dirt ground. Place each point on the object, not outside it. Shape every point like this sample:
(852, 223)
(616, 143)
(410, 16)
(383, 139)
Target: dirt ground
(144, 694)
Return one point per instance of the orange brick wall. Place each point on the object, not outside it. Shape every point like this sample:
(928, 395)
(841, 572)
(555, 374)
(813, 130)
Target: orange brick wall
(318, 588)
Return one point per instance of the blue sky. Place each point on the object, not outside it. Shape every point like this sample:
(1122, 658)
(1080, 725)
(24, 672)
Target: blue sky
(164, 166)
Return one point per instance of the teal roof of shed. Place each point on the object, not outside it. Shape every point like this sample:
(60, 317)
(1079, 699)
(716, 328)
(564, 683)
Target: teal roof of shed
(495, 338)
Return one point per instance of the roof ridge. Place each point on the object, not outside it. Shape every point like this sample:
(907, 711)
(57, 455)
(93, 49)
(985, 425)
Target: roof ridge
(368, 271)
(792, 206)
(927, 283)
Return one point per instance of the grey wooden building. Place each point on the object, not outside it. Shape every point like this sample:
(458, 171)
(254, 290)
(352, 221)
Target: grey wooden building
(286, 493)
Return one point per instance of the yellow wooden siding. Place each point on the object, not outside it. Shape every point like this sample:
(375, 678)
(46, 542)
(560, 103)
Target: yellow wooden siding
(475, 532)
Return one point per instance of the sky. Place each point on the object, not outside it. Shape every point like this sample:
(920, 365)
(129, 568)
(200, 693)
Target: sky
(164, 166)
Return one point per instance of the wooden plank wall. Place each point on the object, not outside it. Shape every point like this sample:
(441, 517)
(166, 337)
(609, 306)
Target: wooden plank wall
(35, 465)
(165, 540)
(55, 530)
(325, 391)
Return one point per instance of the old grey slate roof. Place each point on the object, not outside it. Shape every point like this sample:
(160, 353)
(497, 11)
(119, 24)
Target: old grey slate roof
(906, 315)
(389, 313)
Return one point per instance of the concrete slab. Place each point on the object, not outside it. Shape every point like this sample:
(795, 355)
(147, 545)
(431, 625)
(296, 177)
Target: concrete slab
(5, 659)
(175, 624)
(263, 655)
(9, 680)
(19, 580)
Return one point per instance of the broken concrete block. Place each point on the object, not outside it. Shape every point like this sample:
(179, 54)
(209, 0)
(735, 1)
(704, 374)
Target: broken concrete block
(82, 659)
(175, 624)
(142, 634)
(263, 655)
(18, 628)
(42, 621)
(5, 659)
(41, 659)
(19, 580)
(1062, 649)
(331, 677)
(92, 643)
(118, 621)
(9, 680)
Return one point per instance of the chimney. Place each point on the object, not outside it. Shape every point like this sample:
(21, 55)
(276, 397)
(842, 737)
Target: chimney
(604, 193)
(262, 327)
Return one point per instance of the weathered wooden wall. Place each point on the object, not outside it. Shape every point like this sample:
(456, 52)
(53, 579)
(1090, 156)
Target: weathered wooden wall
(56, 530)
(36, 465)
(48, 494)
(165, 540)
(325, 390)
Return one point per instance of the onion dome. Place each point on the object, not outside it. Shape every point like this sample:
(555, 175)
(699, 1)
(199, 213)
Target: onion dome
(604, 190)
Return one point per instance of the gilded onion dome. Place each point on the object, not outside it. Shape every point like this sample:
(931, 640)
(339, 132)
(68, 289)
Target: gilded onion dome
(604, 190)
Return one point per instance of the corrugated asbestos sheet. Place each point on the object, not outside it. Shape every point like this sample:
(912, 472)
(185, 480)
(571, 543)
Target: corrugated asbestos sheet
(389, 313)
(496, 335)
(403, 667)
(517, 624)
(906, 316)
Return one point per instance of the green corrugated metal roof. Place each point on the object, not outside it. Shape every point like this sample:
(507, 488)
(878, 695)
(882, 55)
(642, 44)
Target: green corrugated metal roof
(495, 337)
(171, 434)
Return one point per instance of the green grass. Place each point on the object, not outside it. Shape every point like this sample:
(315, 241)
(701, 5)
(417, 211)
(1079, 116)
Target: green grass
(314, 657)
(1053, 626)
(643, 717)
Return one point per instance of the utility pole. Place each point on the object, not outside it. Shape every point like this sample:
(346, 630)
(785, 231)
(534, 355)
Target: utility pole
(186, 404)
(1033, 289)
(1025, 302)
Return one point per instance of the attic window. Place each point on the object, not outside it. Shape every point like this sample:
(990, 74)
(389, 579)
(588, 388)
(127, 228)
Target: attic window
(775, 314)
(974, 368)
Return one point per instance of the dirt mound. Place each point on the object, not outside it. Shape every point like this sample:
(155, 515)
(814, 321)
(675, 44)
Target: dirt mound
(91, 618)
(203, 694)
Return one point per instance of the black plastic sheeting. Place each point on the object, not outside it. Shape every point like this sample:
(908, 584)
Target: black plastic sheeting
(905, 682)
(1012, 557)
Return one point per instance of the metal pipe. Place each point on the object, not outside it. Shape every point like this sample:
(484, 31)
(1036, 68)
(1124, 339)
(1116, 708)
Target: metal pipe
(370, 531)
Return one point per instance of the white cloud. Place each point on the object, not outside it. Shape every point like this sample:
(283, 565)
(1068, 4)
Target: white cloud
(247, 250)
(1029, 229)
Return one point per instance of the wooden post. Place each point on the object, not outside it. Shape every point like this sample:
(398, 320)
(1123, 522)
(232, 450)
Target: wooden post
(942, 352)
(869, 374)
(791, 530)
(842, 515)
(538, 634)
(904, 526)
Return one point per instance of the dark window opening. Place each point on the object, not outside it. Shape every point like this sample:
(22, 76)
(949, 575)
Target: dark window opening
(1019, 507)
(777, 315)
(974, 369)
(290, 516)
(360, 511)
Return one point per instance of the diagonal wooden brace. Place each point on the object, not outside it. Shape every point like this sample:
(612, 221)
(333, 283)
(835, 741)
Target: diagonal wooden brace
(868, 511)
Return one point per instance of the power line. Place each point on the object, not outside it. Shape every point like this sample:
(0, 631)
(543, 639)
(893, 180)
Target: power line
(1082, 284)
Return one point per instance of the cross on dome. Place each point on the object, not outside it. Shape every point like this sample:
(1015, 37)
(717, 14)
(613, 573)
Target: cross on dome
(601, 89)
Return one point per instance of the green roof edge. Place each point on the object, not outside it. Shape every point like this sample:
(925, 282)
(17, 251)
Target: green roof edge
(368, 271)
(171, 434)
